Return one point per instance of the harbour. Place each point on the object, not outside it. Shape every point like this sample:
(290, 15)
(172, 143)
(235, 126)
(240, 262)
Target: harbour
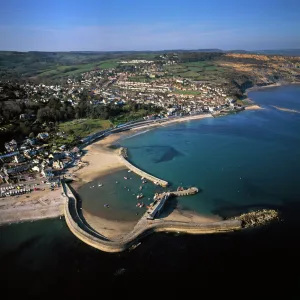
(49, 249)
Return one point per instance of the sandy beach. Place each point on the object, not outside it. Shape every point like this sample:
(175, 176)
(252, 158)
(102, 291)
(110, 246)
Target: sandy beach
(39, 205)
(118, 229)
(189, 216)
(101, 160)
(112, 229)
(184, 119)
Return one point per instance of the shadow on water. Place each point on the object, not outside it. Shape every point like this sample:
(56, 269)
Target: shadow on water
(289, 211)
(29, 243)
(170, 206)
(168, 155)
(168, 152)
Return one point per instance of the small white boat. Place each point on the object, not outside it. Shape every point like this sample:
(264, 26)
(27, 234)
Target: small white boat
(139, 196)
(129, 171)
(125, 178)
(100, 184)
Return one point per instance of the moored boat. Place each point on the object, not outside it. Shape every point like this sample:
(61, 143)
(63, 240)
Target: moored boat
(139, 196)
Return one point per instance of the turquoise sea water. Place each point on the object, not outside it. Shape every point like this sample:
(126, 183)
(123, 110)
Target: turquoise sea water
(45, 259)
(244, 161)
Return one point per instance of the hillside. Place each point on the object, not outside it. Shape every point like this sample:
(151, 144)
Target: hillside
(240, 70)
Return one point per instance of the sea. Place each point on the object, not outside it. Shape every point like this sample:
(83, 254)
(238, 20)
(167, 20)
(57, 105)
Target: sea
(240, 162)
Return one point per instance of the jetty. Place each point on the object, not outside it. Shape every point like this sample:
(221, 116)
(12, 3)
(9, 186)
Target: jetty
(124, 159)
(160, 200)
(144, 227)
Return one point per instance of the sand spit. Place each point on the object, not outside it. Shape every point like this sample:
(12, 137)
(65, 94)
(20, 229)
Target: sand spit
(286, 109)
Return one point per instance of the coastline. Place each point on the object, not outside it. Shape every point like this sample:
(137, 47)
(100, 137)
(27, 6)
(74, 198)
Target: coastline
(101, 160)
(253, 107)
(40, 205)
(273, 85)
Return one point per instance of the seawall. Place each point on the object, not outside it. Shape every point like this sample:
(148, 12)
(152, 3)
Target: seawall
(142, 228)
(140, 172)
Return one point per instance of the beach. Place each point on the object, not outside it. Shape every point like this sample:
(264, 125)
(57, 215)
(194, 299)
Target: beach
(112, 229)
(101, 160)
(183, 119)
(39, 205)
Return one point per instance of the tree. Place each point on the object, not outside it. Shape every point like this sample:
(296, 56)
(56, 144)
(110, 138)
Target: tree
(31, 135)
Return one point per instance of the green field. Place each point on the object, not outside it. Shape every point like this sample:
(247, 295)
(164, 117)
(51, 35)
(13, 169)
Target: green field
(199, 70)
(65, 71)
(188, 92)
(79, 128)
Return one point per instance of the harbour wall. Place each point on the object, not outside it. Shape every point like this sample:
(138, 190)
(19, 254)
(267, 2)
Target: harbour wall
(82, 231)
(140, 172)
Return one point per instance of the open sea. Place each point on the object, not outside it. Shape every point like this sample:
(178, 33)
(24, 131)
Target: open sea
(240, 162)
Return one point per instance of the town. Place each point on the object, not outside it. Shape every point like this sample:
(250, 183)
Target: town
(33, 158)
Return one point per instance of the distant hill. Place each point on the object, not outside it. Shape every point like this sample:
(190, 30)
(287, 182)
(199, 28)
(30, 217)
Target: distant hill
(286, 52)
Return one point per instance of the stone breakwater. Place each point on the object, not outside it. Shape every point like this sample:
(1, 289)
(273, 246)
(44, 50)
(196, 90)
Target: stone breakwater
(143, 228)
(123, 155)
(258, 218)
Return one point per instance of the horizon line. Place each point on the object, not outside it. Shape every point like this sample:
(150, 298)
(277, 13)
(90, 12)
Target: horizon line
(158, 50)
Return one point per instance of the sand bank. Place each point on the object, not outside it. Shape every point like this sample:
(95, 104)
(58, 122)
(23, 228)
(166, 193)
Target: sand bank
(253, 107)
(112, 229)
(286, 109)
(117, 229)
(189, 216)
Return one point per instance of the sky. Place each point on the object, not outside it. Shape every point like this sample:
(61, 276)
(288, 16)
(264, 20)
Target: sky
(118, 25)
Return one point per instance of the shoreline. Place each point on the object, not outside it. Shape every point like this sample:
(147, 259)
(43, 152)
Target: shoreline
(273, 85)
(103, 160)
(100, 151)
(41, 205)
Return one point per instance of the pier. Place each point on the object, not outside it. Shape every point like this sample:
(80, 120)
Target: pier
(144, 227)
(123, 157)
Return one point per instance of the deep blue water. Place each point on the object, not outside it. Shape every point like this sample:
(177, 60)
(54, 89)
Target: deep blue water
(240, 162)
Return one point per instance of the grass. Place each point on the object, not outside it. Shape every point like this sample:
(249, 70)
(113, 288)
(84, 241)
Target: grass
(200, 71)
(83, 127)
(188, 92)
(79, 128)
(65, 71)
